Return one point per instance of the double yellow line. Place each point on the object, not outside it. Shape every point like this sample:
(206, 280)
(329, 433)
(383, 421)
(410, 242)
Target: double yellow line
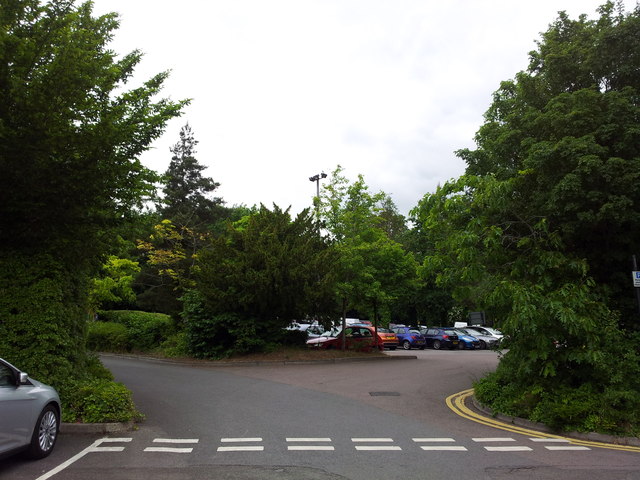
(456, 402)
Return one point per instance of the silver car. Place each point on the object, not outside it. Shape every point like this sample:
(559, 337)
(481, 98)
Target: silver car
(29, 414)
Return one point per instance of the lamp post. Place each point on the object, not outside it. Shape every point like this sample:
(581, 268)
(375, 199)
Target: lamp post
(316, 178)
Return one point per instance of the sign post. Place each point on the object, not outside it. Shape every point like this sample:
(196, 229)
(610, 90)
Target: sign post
(636, 280)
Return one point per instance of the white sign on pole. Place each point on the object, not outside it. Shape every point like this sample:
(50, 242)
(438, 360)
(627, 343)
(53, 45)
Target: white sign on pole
(636, 279)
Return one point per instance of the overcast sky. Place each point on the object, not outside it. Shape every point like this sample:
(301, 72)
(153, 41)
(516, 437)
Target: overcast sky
(285, 89)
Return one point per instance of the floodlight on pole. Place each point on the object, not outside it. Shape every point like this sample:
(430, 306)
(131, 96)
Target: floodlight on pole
(316, 178)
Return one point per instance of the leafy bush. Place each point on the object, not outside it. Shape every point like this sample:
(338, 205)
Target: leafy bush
(146, 331)
(610, 403)
(108, 337)
(97, 401)
(175, 346)
(218, 336)
(42, 319)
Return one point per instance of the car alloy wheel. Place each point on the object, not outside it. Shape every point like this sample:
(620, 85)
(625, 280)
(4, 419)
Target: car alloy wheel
(45, 433)
(436, 345)
(406, 345)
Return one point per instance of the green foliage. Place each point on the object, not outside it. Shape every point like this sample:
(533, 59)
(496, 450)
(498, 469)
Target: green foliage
(262, 275)
(43, 323)
(175, 346)
(108, 337)
(540, 229)
(567, 130)
(374, 271)
(71, 131)
(186, 192)
(145, 331)
(72, 135)
(97, 401)
(219, 335)
(115, 285)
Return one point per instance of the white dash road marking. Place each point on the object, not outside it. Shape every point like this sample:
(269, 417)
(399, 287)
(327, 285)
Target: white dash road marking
(318, 448)
(508, 449)
(247, 448)
(241, 439)
(442, 448)
(371, 440)
(493, 439)
(309, 448)
(94, 447)
(307, 439)
(376, 448)
(168, 449)
(565, 448)
(550, 440)
(433, 439)
(176, 440)
(107, 449)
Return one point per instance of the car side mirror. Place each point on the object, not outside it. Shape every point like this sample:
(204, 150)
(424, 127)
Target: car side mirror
(23, 379)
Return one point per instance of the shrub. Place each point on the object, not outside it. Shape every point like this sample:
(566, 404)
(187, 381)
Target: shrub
(108, 337)
(175, 346)
(42, 316)
(294, 338)
(146, 330)
(97, 401)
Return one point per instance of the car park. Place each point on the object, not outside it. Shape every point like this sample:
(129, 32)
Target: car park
(467, 341)
(29, 414)
(409, 338)
(357, 337)
(440, 337)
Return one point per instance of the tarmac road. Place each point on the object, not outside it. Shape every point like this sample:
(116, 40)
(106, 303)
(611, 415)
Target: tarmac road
(357, 420)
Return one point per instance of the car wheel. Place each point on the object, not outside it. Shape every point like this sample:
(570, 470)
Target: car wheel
(483, 345)
(461, 345)
(436, 345)
(45, 433)
(406, 345)
(392, 348)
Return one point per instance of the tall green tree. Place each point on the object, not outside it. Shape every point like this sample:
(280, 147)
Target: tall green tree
(541, 228)
(266, 272)
(374, 269)
(567, 129)
(71, 136)
(187, 193)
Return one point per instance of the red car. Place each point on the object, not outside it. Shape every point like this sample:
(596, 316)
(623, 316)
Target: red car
(357, 337)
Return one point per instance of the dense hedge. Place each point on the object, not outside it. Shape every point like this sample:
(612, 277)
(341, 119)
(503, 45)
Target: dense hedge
(98, 401)
(108, 337)
(42, 319)
(43, 330)
(611, 405)
(143, 331)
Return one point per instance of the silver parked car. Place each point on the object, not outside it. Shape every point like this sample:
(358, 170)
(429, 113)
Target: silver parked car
(29, 414)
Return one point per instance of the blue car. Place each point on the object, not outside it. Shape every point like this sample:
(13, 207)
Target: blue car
(439, 337)
(409, 338)
(467, 341)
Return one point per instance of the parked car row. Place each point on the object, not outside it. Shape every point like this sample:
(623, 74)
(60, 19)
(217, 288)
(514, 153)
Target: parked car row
(362, 336)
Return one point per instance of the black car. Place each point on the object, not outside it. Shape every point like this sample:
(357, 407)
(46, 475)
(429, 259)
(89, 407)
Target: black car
(438, 337)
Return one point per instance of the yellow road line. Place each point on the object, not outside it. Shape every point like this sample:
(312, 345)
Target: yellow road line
(456, 402)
